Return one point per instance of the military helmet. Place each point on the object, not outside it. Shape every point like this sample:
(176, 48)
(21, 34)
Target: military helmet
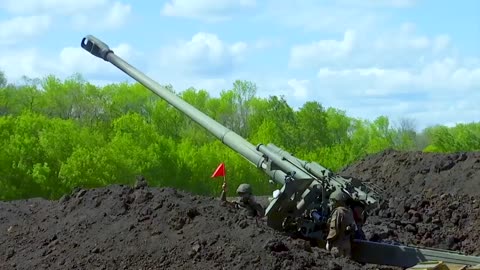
(339, 196)
(244, 189)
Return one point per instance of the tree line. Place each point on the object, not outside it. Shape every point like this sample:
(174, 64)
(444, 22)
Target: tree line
(57, 135)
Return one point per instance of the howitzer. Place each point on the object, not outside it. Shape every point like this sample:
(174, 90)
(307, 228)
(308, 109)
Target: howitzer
(305, 185)
(300, 206)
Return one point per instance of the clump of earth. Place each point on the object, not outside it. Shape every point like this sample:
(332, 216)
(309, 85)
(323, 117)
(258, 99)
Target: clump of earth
(430, 196)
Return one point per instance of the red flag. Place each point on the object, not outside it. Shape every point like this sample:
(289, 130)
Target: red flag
(220, 171)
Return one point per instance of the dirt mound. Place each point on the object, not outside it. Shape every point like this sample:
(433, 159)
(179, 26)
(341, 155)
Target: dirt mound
(445, 222)
(410, 173)
(429, 197)
(431, 200)
(123, 228)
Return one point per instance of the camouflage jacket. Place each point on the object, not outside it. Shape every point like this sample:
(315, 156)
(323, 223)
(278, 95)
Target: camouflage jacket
(342, 225)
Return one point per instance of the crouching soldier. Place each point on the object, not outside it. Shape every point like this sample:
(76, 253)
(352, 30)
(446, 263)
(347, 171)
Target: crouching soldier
(246, 200)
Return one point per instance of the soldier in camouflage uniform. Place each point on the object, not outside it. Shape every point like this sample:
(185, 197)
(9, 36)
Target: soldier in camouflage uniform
(246, 200)
(342, 225)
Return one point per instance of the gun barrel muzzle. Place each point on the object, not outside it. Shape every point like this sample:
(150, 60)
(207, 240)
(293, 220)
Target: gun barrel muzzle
(96, 47)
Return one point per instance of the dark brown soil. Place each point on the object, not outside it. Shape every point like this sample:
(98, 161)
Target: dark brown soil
(412, 173)
(123, 228)
(119, 227)
(431, 199)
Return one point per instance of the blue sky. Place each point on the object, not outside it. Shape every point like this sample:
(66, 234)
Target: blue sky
(400, 58)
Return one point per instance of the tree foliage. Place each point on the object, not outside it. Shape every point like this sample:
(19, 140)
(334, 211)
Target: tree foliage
(58, 135)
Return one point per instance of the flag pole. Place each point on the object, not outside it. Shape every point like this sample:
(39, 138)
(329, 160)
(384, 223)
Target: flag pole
(225, 179)
(225, 173)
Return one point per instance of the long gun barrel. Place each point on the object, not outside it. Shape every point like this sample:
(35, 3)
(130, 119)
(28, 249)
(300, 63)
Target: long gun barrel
(237, 143)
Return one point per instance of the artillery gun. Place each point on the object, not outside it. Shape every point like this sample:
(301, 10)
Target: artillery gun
(300, 206)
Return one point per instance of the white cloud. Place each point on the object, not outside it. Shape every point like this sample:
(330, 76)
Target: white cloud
(325, 17)
(441, 109)
(209, 10)
(322, 51)
(331, 16)
(441, 91)
(106, 14)
(396, 48)
(23, 27)
(70, 60)
(366, 81)
(204, 54)
(442, 75)
(17, 63)
(427, 109)
(300, 88)
(63, 7)
(396, 72)
(405, 38)
(115, 17)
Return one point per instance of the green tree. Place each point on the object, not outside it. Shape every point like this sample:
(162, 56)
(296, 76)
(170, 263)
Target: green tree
(311, 126)
(64, 99)
(29, 171)
(244, 92)
(405, 135)
(441, 139)
(339, 126)
(381, 135)
(279, 118)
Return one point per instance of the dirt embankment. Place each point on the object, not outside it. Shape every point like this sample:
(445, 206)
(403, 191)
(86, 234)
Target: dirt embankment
(123, 228)
(403, 174)
(119, 227)
(431, 199)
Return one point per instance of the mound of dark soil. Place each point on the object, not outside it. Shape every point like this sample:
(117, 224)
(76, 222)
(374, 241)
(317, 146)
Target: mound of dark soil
(123, 228)
(412, 173)
(431, 200)
(445, 222)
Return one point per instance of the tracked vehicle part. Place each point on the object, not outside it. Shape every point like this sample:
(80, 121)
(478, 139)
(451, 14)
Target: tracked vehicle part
(300, 206)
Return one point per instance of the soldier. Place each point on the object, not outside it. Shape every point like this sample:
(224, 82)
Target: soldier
(342, 225)
(246, 201)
